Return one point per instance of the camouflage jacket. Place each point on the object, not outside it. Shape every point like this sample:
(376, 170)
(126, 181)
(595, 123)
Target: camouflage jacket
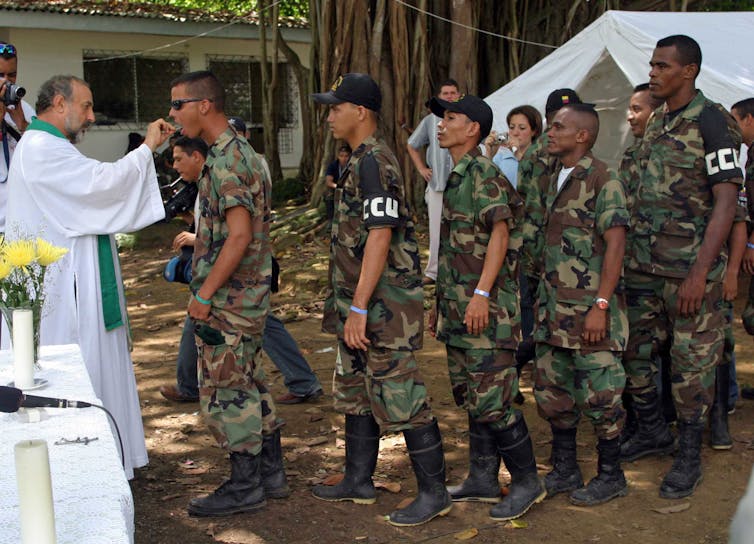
(476, 197)
(234, 176)
(629, 157)
(674, 172)
(749, 185)
(534, 171)
(590, 202)
(370, 194)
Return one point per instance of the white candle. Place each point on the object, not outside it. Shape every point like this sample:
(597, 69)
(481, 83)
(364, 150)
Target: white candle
(23, 348)
(35, 492)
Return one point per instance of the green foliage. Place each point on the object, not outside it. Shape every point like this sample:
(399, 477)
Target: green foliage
(288, 189)
(288, 8)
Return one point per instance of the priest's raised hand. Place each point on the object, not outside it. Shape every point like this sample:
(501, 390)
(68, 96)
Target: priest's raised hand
(157, 132)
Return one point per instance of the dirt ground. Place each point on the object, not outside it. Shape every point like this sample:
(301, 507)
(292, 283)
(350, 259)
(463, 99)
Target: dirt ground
(184, 460)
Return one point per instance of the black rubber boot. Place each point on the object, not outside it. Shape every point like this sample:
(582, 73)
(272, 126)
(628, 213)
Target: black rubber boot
(273, 472)
(243, 492)
(515, 447)
(565, 474)
(718, 415)
(609, 482)
(482, 484)
(653, 436)
(362, 446)
(686, 472)
(425, 450)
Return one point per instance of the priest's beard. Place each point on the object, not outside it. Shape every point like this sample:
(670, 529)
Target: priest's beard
(74, 129)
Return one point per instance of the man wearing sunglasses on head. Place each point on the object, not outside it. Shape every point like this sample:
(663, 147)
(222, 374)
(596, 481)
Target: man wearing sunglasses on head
(15, 118)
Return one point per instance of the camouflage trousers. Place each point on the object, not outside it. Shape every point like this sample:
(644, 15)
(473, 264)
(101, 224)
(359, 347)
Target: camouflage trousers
(234, 399)
(383, 382)
(569, 382)
(484, 381)
(696, 342)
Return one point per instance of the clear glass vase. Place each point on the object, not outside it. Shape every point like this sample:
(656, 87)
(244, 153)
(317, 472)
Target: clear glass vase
(36, 317)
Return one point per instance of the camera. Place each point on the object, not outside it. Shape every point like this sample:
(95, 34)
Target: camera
(13, 94)
(502, 137)
(181, 200)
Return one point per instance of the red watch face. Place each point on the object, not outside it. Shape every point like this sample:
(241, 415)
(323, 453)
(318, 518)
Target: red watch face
(602, 304)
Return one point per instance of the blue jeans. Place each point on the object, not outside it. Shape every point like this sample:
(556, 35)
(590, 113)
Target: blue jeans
(277, 342)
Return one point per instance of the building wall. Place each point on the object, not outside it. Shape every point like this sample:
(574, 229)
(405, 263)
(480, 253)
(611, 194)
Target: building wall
(45, 52)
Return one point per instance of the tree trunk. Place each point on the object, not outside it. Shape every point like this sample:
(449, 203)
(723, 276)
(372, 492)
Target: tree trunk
(270, 83)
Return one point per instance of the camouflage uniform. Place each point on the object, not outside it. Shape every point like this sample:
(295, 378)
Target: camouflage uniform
(748, 314)
(571, 376)
(669, 216)
(482, 368)
(383, 381)
(233, 394)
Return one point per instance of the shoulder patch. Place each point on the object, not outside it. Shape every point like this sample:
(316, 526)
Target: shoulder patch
(720, 148)
(380, 207)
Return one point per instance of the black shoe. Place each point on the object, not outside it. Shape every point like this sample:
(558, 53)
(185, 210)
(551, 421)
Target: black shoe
(482, 484)
(273, 471)
(653, 436)
(515, 447)
(243, 492)
(610, 481)
(565, 475)
(630, 426)
(686, 472)
(362, 446)
(425, 450)
(747, 393)
(291, 398)
(718, 416)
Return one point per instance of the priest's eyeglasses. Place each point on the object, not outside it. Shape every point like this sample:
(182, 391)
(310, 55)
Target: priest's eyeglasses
(178, 104)
(7, 49)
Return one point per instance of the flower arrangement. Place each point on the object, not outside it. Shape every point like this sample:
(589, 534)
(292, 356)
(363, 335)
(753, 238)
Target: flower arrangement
(23, 264)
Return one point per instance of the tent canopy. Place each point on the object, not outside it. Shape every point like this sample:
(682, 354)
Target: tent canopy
(608, 58)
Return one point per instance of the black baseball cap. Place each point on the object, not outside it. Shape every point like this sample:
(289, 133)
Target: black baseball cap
(359, 89)
(471, 106)
(562, 97)
(238, 125)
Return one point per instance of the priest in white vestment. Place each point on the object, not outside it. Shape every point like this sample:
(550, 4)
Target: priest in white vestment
(76, 202)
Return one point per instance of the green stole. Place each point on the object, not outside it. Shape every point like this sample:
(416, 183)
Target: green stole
(108, 283)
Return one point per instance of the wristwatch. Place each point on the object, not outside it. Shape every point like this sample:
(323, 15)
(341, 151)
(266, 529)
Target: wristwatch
(601, 303)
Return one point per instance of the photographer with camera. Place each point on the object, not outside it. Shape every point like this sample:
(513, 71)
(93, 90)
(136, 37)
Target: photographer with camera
(16, 114)
(506, 149)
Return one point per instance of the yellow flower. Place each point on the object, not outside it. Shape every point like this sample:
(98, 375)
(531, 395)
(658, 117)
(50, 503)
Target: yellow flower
(48, 253)
(5, 269)
(20, 253)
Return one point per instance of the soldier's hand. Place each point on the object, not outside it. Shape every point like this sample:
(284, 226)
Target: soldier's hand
(432, 322)
(691, 293)
(477, 315)
(730, 286)
(157, 132)
(426, 174)
(199, 311)
(184, 238)
(354, 331)
(595, 326)
(748, 262)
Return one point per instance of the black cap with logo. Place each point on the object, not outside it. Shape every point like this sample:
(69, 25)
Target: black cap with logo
(561, 97)
(359, 89)
(471, 106)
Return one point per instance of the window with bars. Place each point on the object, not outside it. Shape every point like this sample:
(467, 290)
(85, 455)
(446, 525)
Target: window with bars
(242, 79)
(131, 89)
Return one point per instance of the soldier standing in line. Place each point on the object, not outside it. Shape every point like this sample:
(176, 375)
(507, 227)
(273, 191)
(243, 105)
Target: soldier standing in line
(478, 312)
(375, 307)
(688, 179)
(582, 326)
(231, 287)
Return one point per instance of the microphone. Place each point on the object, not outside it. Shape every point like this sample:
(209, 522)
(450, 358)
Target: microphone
(11, 399)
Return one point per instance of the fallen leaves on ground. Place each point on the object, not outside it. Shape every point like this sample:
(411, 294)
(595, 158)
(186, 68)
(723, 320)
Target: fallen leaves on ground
(673, 509)
(467, 534)
(393, 487)
(333, 479)
(316, 441)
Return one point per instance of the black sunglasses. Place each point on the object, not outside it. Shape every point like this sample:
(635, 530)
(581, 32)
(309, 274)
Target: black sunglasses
(178, 104)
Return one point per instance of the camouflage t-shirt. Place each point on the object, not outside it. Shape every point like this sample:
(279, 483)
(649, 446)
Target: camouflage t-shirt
(476, 197)
(682, 157)
(370, 194)
(590, 202)
(234, 176)
(749, 185)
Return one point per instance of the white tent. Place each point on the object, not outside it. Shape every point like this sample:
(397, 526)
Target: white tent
(608, 58)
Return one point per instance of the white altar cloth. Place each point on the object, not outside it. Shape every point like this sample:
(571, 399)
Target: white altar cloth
(92, 499)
